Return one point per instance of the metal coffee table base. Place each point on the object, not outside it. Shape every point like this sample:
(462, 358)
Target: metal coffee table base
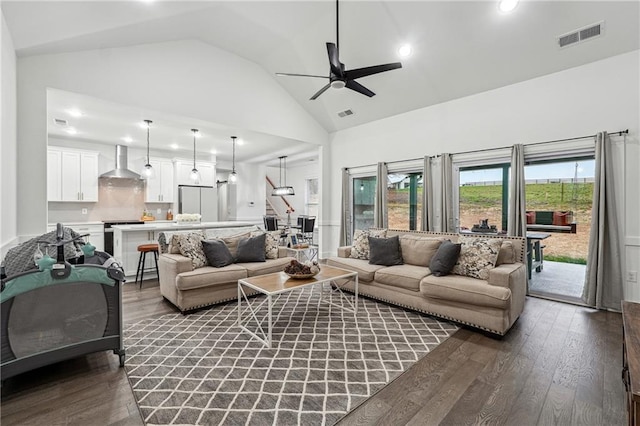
(281, 283)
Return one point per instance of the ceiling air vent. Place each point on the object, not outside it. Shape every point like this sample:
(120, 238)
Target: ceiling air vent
(345, 113)
(581, 34)
(60, 122)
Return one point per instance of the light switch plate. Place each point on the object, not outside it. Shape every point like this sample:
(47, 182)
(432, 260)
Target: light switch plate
(632, 276)
(159, 211)
(84, 211)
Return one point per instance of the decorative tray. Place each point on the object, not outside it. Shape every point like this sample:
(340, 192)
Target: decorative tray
(301, 276)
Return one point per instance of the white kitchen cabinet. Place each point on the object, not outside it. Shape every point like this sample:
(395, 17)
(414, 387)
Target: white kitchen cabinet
(160, 188)
(125, 250)
(207, 172)
(72, 175)
(54, 175)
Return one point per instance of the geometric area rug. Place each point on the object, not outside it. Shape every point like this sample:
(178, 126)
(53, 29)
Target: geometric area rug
(202, 369)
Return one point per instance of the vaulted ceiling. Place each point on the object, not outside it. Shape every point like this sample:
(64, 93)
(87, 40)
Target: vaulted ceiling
(459, 48)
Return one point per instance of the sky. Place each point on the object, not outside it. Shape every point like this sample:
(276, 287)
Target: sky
(564, 170)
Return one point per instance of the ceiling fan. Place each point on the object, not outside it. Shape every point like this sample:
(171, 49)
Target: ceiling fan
(338, 76)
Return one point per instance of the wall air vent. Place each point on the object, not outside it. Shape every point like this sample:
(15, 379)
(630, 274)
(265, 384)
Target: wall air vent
(345, 113)
(60, 122)
(581, 34)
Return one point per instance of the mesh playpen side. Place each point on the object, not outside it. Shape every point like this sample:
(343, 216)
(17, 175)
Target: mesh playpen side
(46, 320)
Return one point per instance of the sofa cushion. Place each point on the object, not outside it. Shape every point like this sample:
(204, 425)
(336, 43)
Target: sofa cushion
(360, 249)
(191, 246)
(385, 251)
(404, 276)
(418, 250)
(445, 258)
(268, 267)
(507, 253)
(217, 253)
(477, 256)
(171, 238)
(251, 249)
(365, 270)
(466, 290)
(271, 243)
(232, 242)
(209, 276)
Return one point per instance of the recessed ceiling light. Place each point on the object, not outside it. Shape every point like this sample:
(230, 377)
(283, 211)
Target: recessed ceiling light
(405, 50)
(127, 139)
(74, 112)
(506, 6)
(71, 131)
(240, 141)
(175, 146)
(143, 125)
(213, 151)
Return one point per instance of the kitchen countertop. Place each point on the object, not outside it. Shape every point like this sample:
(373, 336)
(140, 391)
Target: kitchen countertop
(172, 226)
(94, 222)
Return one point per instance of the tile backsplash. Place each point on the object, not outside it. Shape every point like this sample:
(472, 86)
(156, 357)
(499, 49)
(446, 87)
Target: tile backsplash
(118, 199)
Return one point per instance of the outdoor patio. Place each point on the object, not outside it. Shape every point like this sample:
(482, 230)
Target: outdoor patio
(558, 280)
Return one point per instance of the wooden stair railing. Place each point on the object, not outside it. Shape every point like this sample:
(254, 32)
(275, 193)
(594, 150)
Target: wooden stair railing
(289, 206)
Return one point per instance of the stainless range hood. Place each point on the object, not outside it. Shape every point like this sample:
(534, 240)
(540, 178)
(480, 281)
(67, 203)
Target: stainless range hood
(121, 171)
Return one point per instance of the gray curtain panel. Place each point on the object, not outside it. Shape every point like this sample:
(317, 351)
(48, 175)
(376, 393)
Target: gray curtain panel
(446, 195)
(517, 221)
(380, 212)
(346, 209)
(427, 196)
(603, 284)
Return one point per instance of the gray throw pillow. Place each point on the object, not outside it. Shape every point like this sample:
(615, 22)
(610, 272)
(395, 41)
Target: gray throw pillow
(385, 251)
(251, 249)
(445, 258)
(217, 253)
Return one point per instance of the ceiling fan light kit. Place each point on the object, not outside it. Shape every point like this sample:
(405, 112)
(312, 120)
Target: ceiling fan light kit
(339, 77)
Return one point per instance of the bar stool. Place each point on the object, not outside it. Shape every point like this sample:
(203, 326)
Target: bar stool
(144, 249)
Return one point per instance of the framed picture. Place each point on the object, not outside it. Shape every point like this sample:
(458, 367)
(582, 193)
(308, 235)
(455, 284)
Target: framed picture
(293, 240)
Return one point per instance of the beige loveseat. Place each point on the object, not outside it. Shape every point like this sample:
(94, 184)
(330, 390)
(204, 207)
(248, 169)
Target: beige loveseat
(190, 289)
(492, 305)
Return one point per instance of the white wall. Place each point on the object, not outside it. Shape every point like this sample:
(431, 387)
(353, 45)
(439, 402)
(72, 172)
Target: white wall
(8, 145)
(187, 78)
(248, 193)
(581, 101)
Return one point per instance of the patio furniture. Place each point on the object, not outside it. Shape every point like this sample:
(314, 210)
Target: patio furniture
(535, 256)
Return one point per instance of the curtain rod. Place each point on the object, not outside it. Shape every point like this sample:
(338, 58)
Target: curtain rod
(619, 133)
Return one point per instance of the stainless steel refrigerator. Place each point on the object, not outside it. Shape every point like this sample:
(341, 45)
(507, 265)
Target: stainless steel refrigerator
(198, 199)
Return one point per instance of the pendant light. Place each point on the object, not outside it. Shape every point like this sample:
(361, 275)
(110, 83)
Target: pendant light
(233, 176)
(195, 174)
(283, 189)
(147, 171)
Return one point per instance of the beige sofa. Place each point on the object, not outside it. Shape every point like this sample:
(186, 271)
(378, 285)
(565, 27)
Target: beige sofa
(190, 289)
(492, 305)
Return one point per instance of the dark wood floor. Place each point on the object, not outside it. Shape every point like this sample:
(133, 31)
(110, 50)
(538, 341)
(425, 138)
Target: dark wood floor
(560, 364)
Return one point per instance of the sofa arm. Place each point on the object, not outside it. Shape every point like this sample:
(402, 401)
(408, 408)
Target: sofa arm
(505, 274)
(282, 252)
(344, 251)
(174, 264)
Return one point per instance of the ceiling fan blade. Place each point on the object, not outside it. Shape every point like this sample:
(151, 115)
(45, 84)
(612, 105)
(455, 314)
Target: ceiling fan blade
(363, 72)
(320, 92)
(354, 85)
(336, 66)
(300, 75)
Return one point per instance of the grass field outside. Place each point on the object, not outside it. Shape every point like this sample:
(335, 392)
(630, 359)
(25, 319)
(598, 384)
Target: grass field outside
(485, 202)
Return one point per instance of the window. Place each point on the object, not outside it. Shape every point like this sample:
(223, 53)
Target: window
(404, 200)
(364, 195)
(484, 194)
(312, 197)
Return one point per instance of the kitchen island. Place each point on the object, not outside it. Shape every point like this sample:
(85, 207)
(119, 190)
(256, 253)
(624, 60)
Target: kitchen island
(127, 238)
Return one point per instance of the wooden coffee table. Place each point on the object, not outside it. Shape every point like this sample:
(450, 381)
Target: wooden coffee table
(277, 283)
